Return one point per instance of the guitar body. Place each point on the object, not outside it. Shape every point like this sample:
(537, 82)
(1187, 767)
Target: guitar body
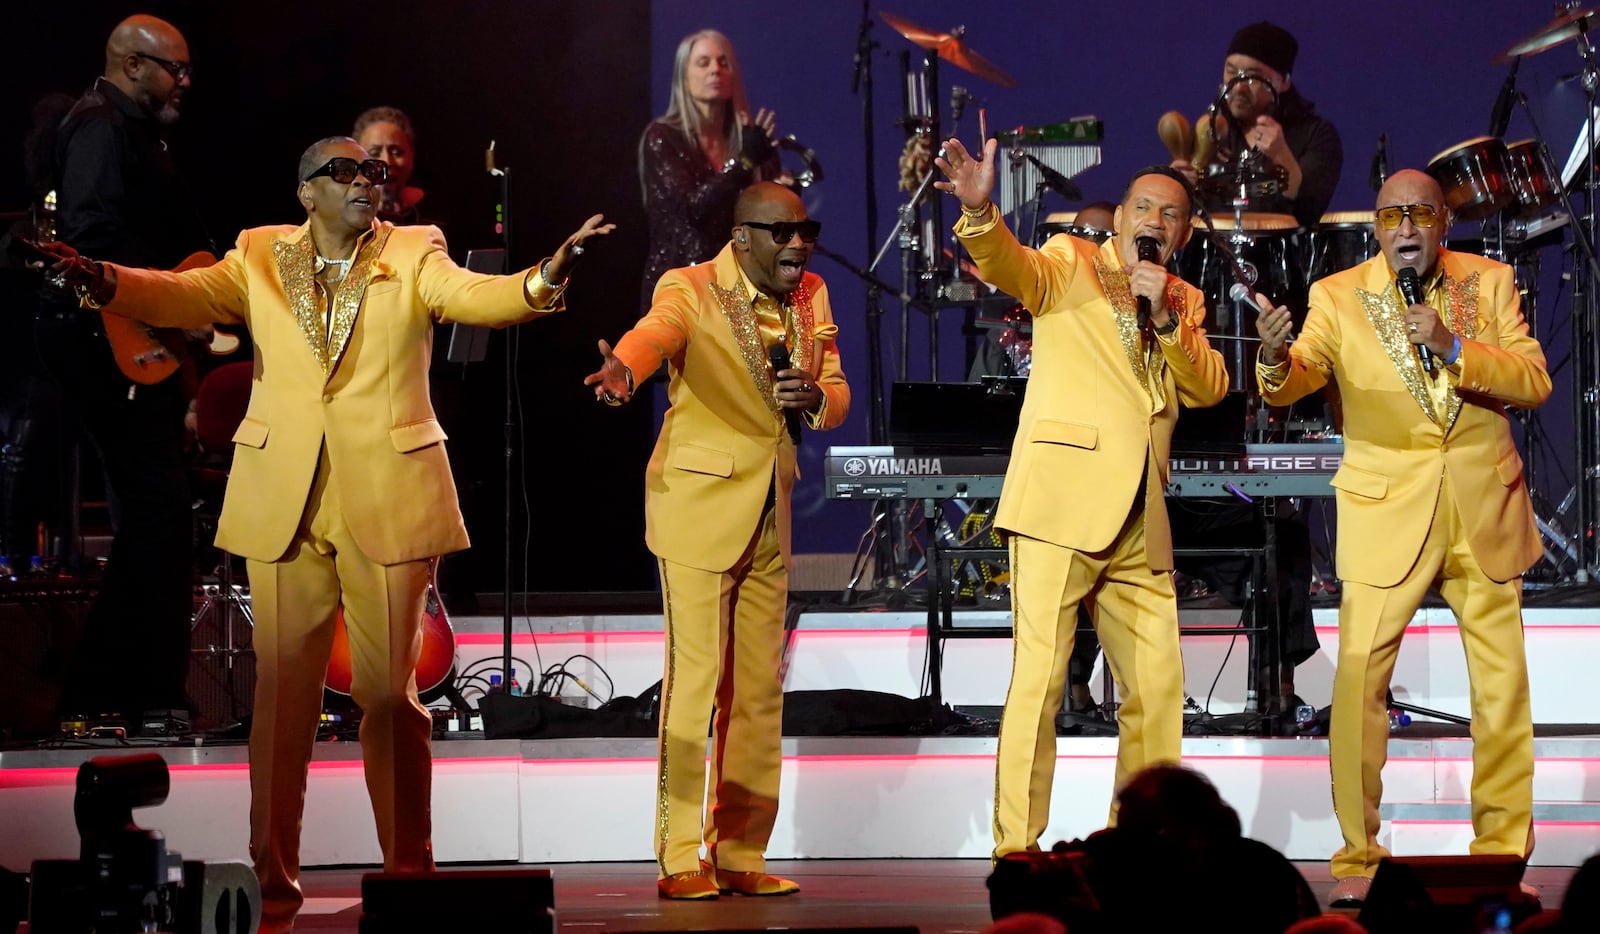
(145, 354)
(434, 666)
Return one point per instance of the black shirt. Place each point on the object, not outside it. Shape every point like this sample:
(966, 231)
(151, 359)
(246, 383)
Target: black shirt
(118, 194)
(1317, 147)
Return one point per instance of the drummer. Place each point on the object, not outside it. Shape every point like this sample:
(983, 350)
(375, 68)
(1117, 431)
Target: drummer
(1262, 117)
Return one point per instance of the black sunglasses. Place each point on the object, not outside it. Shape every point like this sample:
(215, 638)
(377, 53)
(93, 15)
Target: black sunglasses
(784, 231)
(344, 170)
(178, 70)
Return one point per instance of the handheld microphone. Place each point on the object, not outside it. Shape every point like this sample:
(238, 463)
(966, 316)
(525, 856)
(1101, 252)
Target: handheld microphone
(1149, 251)
(778, 356)
(1239, 292)
(1055, 181)
(1411, 288)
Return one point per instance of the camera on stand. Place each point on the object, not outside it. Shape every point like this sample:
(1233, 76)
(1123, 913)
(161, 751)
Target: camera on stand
(125, 878)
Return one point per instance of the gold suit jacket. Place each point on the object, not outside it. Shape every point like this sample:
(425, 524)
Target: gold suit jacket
(1101, 400)
(1397, 446)
(354, 379)
(723, 443)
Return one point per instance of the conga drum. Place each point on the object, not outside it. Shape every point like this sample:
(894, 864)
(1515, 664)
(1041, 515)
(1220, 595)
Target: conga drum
(1066, 222)
(1476, 178)
(1342, 239)
(1534, 180)
(1268, 250)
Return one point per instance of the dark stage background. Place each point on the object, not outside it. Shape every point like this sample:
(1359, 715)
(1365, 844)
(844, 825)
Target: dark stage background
(565, 88)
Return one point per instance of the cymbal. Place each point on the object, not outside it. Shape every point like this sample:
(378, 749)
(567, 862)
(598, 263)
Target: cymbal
(1552, 34)
(952, 47)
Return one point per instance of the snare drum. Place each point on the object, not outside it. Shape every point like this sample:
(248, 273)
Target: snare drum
(1534, 180)
(1343, 239)
(1066, 222)
(1476, 178)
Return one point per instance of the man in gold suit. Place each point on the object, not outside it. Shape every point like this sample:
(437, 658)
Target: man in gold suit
(1430, 495)
(1117, 347)
(717, 518)
(340, 492)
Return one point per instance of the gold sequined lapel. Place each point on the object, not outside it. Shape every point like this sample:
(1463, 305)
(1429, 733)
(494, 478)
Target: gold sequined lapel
(351, 290)
(1387, 315)
(1461, 316)
(297, 271)
(803, 326)
(1115, 284)
(741, 320)
(296, 261)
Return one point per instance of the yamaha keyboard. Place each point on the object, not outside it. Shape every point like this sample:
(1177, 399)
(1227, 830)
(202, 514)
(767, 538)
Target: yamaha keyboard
(1302, 469)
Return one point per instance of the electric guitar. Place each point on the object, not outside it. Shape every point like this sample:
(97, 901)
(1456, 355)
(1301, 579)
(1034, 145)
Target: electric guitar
(149, 355)
(435, 666)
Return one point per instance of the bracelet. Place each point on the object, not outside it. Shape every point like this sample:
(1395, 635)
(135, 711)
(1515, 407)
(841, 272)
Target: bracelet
(544, 276)
(1455, 353)
(977, 212)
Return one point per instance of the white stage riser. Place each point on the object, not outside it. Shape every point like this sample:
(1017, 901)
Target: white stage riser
(585, 800)
(887, 652)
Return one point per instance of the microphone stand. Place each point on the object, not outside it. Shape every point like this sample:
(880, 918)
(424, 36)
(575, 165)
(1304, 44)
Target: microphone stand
(861, 80)
(503, 222)
(881, 533)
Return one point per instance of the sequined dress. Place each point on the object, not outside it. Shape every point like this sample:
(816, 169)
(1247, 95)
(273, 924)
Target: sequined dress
(689, 204)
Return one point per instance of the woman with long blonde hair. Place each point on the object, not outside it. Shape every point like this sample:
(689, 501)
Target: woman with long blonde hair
(696, 158)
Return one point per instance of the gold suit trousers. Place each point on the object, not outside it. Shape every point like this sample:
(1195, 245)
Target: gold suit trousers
(295, 600)
(1371, 622)
(1136, 616)
(724, 646)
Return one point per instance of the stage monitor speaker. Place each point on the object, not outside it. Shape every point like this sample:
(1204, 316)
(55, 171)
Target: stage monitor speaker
(507, 901)
(1445, 893)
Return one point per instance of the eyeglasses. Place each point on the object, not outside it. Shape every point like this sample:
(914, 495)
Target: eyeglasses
(343, 169)
(784, 231)
(1423, 215)
(178, 70)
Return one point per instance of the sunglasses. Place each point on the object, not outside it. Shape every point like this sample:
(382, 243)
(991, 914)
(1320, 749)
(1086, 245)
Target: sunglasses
(343, 169)
(1423, 215)
(784, 231)
(178, 70)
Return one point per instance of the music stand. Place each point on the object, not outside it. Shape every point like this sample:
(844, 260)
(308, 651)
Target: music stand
(469, 343)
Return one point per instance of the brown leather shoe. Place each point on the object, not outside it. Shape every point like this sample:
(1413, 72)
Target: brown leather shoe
(750, 883)
(697, 884)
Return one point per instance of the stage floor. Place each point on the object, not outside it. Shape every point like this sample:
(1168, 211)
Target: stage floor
(937, 896)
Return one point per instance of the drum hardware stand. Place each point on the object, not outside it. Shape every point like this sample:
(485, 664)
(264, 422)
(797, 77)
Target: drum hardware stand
(225, 600)
(1585, 324)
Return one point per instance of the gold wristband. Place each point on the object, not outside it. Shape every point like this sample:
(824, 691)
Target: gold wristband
(85, 291)
(975, 213)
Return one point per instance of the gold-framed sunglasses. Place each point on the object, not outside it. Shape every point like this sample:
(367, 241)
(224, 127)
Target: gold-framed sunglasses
(1423, 215)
